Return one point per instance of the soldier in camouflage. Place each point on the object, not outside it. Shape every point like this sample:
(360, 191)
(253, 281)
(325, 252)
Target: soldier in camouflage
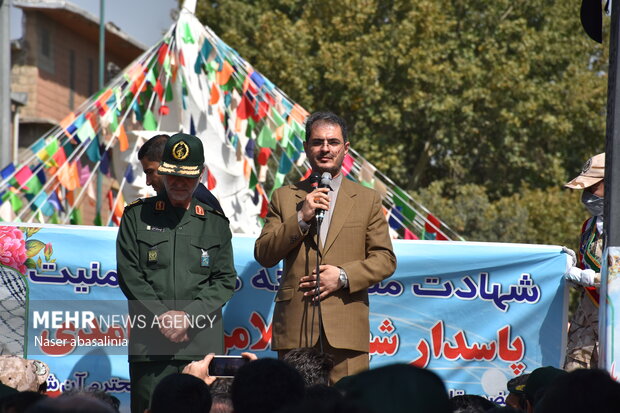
(582, 347)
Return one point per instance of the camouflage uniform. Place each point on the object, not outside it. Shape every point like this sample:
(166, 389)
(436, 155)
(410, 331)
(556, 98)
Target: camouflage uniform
(582, 347)
(22, 374)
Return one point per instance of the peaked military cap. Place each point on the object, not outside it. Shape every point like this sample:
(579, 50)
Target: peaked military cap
(183, 156)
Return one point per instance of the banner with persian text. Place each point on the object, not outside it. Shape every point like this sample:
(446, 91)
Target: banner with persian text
(477, 314)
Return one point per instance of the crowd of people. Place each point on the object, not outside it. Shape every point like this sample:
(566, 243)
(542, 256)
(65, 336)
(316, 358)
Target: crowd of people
(300, 383)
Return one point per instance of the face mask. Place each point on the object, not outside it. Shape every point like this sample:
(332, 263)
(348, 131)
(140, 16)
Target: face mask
(594, 204)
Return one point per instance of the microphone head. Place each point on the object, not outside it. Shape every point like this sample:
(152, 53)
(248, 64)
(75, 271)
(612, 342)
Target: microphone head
(326, 179)
(314, 180)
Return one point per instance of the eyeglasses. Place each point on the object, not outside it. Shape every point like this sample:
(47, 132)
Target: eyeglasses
(332, 143)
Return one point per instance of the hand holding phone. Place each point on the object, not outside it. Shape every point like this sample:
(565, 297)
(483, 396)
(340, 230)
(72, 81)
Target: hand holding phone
(226, 366)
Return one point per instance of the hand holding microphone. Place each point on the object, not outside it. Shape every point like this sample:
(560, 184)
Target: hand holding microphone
(316, 201)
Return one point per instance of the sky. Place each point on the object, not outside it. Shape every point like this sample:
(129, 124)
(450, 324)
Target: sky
(144, 20)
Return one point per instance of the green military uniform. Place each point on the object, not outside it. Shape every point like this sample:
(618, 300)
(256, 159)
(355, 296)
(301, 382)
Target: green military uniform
(171, 258)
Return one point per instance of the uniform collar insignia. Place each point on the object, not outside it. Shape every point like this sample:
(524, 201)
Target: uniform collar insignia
(160, 206)
(199, 210)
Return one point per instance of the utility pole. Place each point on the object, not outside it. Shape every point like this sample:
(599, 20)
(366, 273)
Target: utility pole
(98, 218)
(5, 85)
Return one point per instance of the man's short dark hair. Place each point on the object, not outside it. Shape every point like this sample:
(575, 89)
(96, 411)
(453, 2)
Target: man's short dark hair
(265, 386)
(181, 393)
(153, 149)
(470, 403)
(313, 365)
(326, 117)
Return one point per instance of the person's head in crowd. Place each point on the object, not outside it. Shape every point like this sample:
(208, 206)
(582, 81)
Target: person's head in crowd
(221, 403)
(313, 365)
(470, 403)
(516, 392)
(266, 385)
(149, 156)
(582, 390)
(107, 398)
(221, 385)
(19, 402)
(181, 393)
(71, 404)
(23, 374)
(397, 388)
(537, 384)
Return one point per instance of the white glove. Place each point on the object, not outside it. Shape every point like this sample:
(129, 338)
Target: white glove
(571, 253)
(587, 278)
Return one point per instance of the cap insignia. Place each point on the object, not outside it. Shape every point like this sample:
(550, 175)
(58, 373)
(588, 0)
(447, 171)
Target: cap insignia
(180, 151)
(586, 166)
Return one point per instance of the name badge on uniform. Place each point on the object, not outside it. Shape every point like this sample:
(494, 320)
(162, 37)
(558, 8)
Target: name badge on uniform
(204, 258)
(152, 255)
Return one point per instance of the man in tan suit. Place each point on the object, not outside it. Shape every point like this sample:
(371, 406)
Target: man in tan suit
(355, 253)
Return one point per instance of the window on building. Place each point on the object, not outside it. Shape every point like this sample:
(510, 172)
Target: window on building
(45, 49)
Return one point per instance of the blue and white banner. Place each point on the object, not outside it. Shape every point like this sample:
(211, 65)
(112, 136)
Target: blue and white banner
(477, 314)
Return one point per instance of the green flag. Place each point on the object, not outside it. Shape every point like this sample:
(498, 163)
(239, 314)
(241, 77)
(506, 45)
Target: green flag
(265, 138)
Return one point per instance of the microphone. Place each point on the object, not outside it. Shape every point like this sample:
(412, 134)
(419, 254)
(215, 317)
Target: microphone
(326, 179)
(314, 181)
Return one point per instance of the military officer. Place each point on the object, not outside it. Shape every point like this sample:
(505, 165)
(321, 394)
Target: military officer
(175, 266)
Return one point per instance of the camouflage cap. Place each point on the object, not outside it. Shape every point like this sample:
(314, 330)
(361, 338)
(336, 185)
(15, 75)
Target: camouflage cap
(183, 156)
(23, 374)
(593, 171)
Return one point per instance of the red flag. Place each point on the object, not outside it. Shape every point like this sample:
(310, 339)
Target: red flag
(210, 180)
(263, 156)
(433, 226)
(161, 54)
(264, 208)
(159, 89)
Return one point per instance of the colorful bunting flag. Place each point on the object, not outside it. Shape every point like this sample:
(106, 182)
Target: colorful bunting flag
(149, 123)
(265, 138)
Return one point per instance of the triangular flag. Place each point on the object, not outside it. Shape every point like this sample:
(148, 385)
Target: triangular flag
(225, 73)
(76, 217)
(86, 131)
(68, 120)
(149, 122)
(285, 164)
(6, 212)
(169, 94)
(22, 176)
(253, 180)
(122, 140)
(215, 94)
(93, 150)
(211, 182)
(277, 119)
(265, 138)
(7, 171)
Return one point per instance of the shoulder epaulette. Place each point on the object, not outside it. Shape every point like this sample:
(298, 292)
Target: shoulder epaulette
(217, 212)
(134, 203)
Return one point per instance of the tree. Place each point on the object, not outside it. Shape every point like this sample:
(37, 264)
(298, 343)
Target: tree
(534, 216)
(496, 93)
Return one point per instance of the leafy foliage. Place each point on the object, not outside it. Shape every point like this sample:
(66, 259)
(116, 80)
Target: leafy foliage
(495, 94)
(533, 216)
